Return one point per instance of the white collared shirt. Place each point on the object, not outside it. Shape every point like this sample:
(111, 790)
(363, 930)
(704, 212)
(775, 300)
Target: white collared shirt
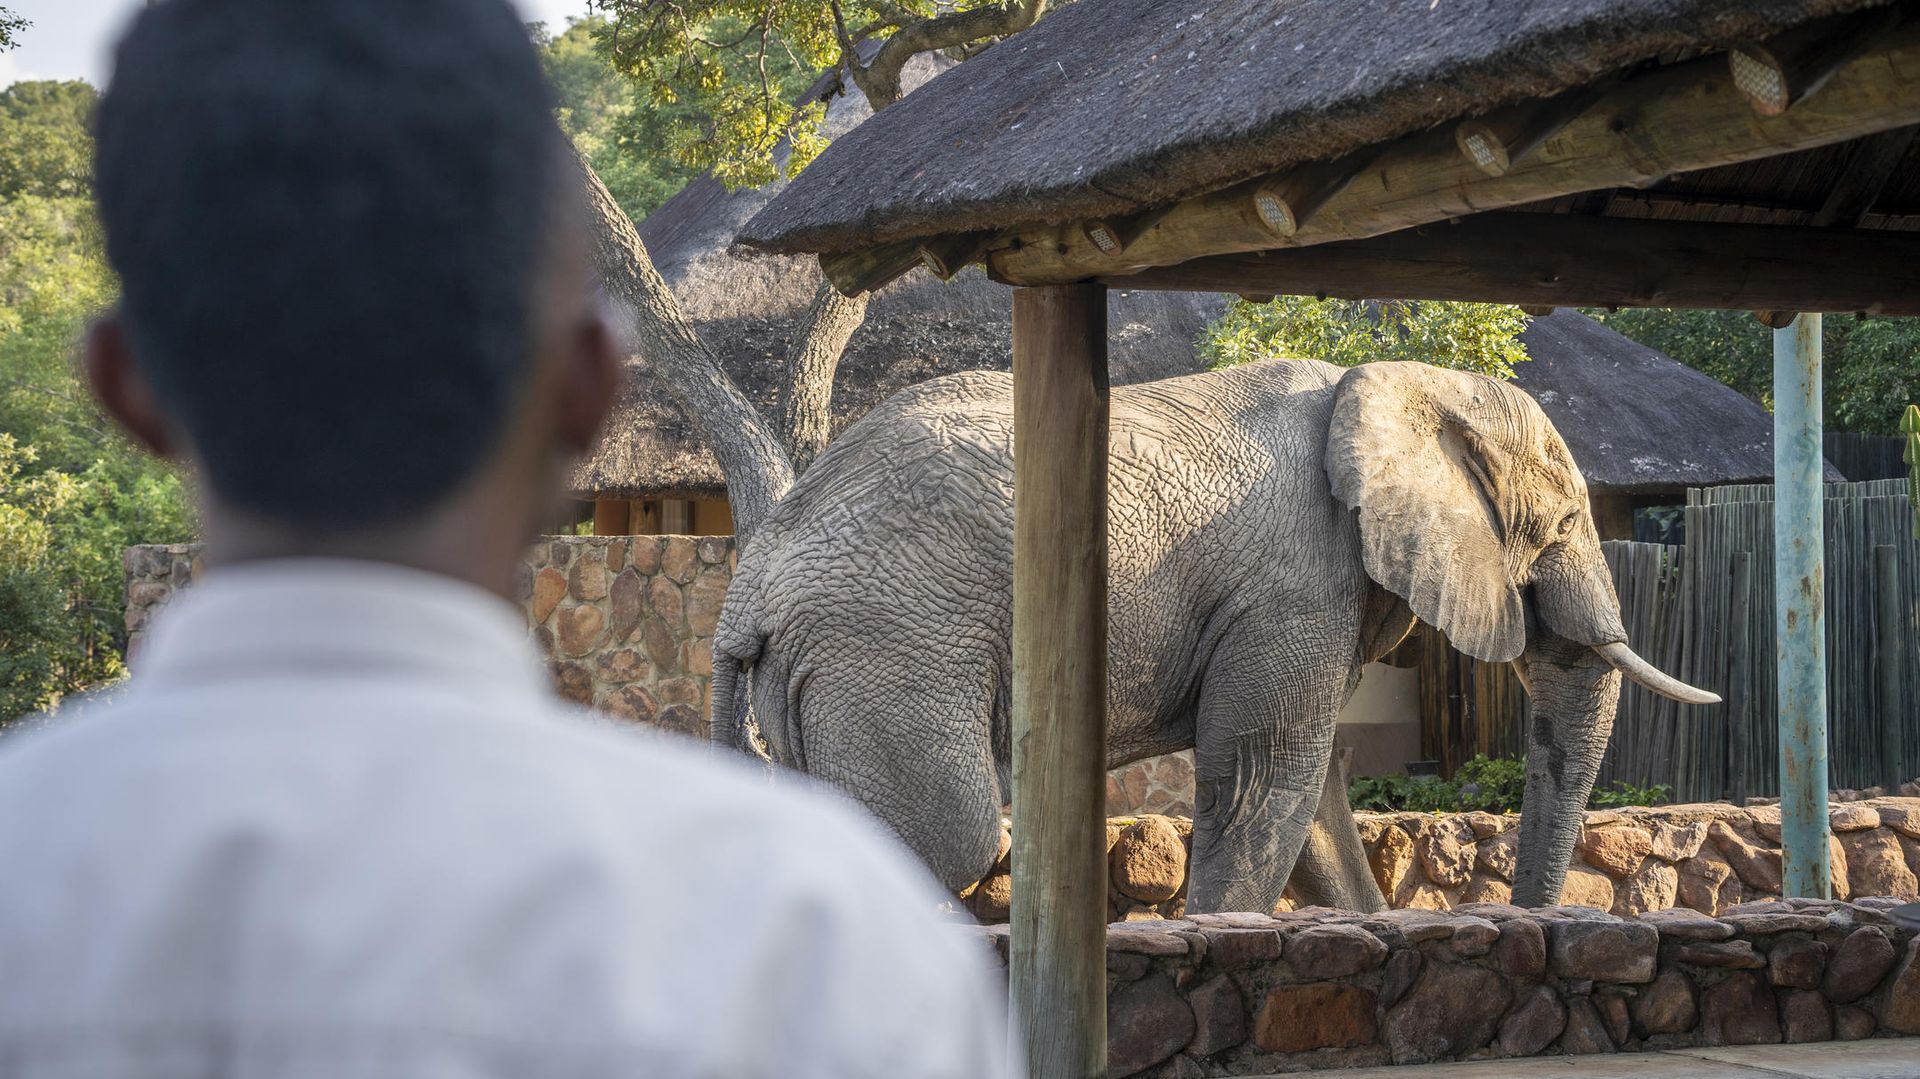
(337, 827)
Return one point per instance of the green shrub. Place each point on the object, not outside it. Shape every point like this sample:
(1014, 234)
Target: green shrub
(1495, 785)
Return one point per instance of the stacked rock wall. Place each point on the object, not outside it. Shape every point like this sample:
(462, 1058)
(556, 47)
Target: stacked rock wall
(1252, 994)
(627, 620)
(1707, 858)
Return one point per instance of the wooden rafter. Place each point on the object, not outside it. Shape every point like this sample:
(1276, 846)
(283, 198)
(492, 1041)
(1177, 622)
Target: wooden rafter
(1555, 260)
(1865, 174)
(1676, 119)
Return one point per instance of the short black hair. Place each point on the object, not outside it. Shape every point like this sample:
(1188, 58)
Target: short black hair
(328, 219)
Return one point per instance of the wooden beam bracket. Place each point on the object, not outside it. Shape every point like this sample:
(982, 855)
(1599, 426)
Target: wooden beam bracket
(870, 268)
(1497, 142)
(945, 256)
(1112, 235)
(1286, 202)
(1783, 71)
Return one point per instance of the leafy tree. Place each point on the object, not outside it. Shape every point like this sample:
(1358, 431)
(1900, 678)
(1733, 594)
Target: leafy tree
(627, 138)
(728, 59)
(72, 493)
(1481, 337)
(731, 63)
(44, 145)
(1872, 365)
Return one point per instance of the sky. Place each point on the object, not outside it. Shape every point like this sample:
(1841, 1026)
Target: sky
(71, 39)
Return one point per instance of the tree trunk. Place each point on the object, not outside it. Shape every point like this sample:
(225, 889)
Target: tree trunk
(806, 418)
(752, 460)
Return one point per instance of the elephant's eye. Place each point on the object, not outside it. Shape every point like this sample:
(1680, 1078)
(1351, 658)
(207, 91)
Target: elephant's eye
(1566, 523)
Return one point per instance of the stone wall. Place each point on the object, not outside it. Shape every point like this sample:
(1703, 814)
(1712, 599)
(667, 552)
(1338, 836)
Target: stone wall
(1253, 994)
(627, 620)
(1707, 858)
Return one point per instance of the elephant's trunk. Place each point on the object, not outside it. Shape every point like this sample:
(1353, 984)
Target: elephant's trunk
(1573, 597)
(1570, 708)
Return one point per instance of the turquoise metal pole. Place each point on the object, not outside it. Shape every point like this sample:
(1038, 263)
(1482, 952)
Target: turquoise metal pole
(1799, 569)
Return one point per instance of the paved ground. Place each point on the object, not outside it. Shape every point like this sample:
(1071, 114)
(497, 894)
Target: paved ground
(1882, 1058)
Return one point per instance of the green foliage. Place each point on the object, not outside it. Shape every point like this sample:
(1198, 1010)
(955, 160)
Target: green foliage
(45, 149)
(10, 27)
(1622, 793)
(1495, 785)
(1481, 337)
(609, 120)
(72, 493)
(1872, 365)
(716, 80)
(723, 75)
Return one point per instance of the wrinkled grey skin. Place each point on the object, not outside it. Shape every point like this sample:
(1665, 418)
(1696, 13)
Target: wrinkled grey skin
(1273, 527)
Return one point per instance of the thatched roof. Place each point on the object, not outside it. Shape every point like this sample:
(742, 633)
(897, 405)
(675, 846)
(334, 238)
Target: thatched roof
(1110, 105)
(1637, 421)
(746, 308)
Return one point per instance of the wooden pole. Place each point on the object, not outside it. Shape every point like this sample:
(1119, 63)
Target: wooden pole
(1059, 916)
(1739, 602)
(1799, 589)
(1890, 646)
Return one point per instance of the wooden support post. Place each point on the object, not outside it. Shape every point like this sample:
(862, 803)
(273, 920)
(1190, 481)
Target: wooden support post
(1890, 648)
(1058, 944)
(610, 517)
(1799, 589)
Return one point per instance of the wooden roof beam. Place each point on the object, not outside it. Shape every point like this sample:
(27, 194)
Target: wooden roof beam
(1545, 260)
(1675, 119)
(1778, 73)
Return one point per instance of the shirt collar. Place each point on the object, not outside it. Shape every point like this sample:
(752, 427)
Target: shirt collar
(344, 616)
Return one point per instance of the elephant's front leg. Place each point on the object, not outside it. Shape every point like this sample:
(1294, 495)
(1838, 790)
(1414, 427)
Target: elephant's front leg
(1263, 734)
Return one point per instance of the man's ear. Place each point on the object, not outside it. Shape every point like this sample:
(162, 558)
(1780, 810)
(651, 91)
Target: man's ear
(588, 385)
(123, 392)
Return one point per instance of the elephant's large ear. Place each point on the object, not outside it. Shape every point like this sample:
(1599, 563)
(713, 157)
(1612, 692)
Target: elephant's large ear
(1407, 452)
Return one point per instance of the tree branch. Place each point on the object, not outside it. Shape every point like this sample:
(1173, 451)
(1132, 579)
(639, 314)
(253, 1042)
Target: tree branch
(752, 459)
(812, 358)
(880, 80)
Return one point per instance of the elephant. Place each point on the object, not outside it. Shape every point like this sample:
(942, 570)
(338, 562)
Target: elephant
(1272, 528)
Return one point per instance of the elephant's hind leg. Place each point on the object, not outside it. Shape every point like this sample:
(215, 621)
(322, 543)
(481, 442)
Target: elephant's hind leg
(917, 757)
(1264, 732)
(1332, 870)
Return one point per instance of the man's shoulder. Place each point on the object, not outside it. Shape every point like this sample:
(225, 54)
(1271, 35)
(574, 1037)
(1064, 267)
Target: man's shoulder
(562, 775)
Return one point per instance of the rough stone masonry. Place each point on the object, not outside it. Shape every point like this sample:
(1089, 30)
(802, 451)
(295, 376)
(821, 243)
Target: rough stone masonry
(1253, 994)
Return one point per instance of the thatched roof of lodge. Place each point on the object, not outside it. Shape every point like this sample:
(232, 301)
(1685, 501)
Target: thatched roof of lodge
(1106, 106)
(747, 307)
(1639, 422)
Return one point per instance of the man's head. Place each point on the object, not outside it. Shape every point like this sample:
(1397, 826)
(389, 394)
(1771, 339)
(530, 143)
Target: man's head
(353, 266)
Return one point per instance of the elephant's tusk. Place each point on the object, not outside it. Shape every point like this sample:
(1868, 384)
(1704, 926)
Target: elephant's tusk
(1626, 662)
(1520, 672)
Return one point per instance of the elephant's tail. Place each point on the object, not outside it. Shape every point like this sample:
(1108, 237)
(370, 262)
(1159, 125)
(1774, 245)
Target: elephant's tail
(729, 718)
